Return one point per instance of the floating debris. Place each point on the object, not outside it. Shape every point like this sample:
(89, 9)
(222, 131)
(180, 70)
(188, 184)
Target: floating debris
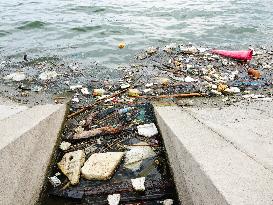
(133, 92)
(65, 145)
(137, 154)
(55, 181)
(98, 92)
(125, 85)
(113, 199)
(121, 44)
(71, 164)
(85, 91)
(147, 130)
(47, 75)
(97, 132)
(255, 74)
(138, 184)
(101, 166)
(18, 76)
(168, 202)
(74, 87)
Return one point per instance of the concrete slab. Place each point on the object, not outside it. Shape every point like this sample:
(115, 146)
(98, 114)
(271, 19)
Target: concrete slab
(210, 164)
(9, 108)
(248, 127)
(27, 140)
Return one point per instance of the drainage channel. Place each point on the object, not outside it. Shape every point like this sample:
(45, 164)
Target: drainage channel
(111, 155)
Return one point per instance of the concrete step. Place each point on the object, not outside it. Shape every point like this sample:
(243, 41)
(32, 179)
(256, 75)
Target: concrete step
(220, 156)
(27, 139)
(9, 108)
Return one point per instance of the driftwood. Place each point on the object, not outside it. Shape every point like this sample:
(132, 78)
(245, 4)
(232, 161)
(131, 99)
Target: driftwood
(97, 132)
(95, 103)
(172, 96)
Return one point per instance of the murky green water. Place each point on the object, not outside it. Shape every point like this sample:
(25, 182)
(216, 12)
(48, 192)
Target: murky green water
(91, 30)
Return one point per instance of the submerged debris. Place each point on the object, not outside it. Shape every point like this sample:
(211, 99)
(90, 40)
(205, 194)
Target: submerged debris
(117, 119)
(101, 166)
(71, 164)
(138, 184)
(18, 76)
(55, 181)
(137, 153)
(113, 199)
(47, 75)
(65, 145)
(97, 132)
(147, 130)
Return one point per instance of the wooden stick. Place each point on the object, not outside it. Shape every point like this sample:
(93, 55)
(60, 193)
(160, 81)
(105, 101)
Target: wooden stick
(173, 96)
(95, 103)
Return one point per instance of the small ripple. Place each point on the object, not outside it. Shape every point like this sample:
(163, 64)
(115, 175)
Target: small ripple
(242, 30)
(88, 9)
(28, 25)
(3, 33)
(86, 28)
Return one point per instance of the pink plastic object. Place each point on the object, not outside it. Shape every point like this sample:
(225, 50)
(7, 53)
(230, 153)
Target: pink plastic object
(240, 55)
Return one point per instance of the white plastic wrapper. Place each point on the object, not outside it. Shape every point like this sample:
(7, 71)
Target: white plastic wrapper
(147, 130)
(138, 184)
(113, 199)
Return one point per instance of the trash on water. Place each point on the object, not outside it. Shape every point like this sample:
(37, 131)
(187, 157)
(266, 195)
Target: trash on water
(75, 99)
(148, 85)
(138, 184)
(164, 81)
(255, 74)
(101, 166)
(17, 76)
(169, 48)
(85, 91)
(232, 90)
(125, 85)
(97, 132)
(74, 87)
(98, 92)
(147, 130)
(55, 181)
(189, 79)
(47, 75)
(65, 145)
(137, 153)
(125, 110)
(133, 92)
(71, 164)
(168, 202)
(121, 44)
(253, 96)
(151, 50)
(113, 199)
(239, 55)
(221, 87)
(189, 49)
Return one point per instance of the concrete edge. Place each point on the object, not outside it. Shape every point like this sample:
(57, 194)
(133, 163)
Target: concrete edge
(24, 161)
(207, 169)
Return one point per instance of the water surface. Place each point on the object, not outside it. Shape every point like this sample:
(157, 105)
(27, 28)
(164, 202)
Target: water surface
(90, 30)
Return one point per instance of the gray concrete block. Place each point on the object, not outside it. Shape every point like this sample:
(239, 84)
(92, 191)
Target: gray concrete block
(27, 140)
(9, 108)
(208, 169)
